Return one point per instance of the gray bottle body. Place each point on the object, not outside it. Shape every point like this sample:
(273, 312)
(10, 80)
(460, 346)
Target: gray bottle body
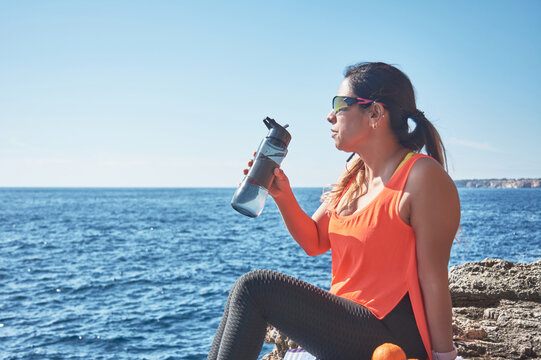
(250, 197)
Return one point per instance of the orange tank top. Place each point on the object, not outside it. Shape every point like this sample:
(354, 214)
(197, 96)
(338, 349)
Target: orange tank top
(374, 262)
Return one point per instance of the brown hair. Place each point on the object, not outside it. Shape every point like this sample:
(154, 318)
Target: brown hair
(386, 84)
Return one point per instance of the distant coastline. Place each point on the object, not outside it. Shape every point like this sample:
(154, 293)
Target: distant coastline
(499, 183)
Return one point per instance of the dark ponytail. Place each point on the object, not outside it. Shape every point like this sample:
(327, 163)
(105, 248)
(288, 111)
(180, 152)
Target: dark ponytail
(424, 135)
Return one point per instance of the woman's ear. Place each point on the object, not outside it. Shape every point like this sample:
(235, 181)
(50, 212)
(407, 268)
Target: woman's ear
(377, 110)
(376, 114)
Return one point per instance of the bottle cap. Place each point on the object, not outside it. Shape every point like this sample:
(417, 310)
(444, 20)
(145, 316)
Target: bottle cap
(277, 131)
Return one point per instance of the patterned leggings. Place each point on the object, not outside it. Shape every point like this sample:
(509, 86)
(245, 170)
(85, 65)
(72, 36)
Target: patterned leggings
(326, 325)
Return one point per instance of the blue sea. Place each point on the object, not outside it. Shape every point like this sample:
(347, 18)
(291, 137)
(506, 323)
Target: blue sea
(145, 273)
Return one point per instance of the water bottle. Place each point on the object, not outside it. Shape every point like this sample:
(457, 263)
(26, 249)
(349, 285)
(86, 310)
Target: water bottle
(249, 199)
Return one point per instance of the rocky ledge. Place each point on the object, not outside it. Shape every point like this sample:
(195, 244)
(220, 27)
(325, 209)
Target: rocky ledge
(496, 311)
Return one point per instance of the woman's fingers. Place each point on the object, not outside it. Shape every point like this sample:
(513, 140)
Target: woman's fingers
(251, 162)
(280, 174)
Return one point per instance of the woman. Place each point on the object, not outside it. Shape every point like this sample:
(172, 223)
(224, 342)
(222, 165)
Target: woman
(389, 221)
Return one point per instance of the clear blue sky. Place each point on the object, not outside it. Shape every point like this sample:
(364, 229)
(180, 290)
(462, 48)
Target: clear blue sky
(173, 93)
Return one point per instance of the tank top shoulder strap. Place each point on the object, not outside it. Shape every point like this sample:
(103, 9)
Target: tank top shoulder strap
(406, 158)
(400, 176)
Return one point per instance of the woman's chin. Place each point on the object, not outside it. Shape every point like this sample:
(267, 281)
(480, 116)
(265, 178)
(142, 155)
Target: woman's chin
(339, 146)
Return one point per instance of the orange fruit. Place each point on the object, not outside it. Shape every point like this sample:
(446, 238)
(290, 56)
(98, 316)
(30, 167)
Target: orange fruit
(389, 351)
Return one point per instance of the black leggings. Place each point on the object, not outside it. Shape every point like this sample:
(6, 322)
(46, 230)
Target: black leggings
(326, 325)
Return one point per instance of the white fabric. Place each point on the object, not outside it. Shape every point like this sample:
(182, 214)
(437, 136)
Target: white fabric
(298, 354)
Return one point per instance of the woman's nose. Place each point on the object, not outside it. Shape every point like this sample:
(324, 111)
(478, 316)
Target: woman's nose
(331, 117)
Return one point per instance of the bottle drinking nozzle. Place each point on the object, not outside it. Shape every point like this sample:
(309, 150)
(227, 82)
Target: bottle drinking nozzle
(249, 199)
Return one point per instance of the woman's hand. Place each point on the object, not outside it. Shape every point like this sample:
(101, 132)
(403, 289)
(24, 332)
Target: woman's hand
(280, 184)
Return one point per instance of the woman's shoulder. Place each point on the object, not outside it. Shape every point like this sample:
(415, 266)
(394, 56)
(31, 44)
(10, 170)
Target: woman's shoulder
(428, 175)
(433, 196)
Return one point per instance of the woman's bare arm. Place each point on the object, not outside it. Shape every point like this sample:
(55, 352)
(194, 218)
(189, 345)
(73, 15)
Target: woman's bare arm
(311, 233)
(435, 218)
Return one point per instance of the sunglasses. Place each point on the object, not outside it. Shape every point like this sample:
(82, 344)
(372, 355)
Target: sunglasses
(340, 103)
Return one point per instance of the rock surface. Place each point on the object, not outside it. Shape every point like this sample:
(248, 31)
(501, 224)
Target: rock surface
(496, 311)
(281, 344)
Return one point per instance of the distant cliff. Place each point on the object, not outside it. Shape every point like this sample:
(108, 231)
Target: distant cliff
(499, 183)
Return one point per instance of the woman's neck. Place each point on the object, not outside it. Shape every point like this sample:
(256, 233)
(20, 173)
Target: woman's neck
(380, 163)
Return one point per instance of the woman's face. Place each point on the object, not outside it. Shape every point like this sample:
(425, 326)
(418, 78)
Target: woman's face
(350, 126)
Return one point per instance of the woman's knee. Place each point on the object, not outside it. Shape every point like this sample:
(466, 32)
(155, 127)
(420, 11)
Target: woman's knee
(254, 282)
(248, 280)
